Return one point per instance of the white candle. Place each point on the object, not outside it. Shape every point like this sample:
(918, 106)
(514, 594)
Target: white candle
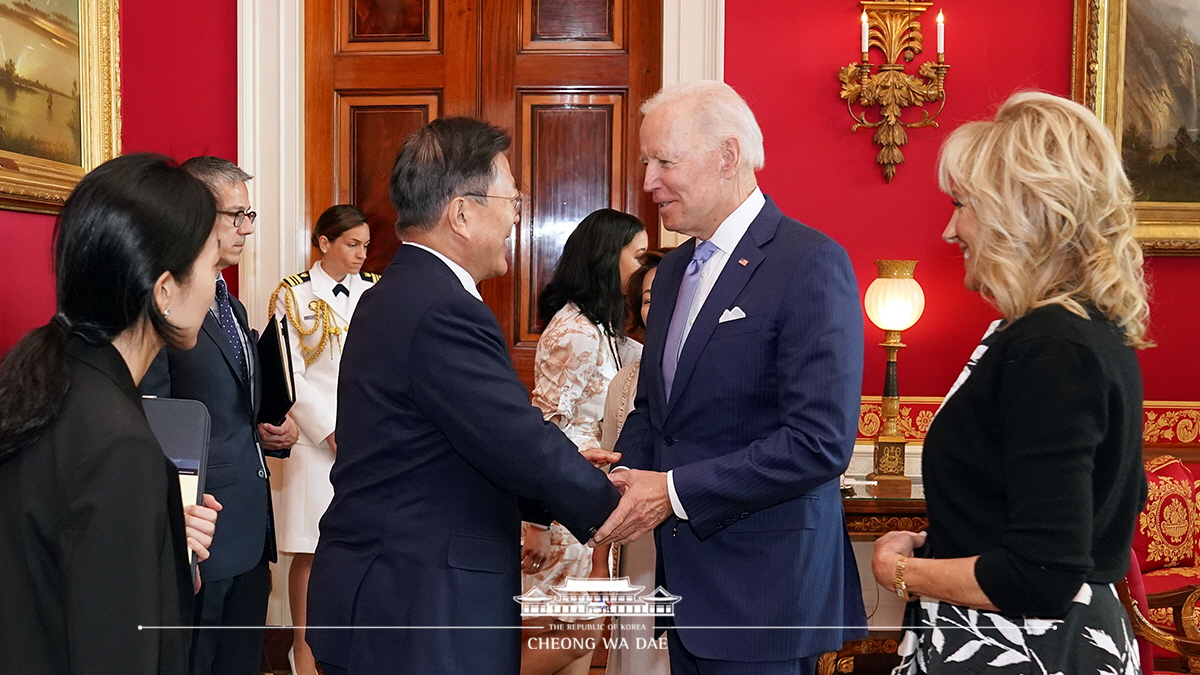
(941, 33)
(866, 32)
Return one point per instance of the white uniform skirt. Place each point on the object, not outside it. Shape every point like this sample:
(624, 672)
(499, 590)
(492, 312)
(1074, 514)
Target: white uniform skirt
(304, 494)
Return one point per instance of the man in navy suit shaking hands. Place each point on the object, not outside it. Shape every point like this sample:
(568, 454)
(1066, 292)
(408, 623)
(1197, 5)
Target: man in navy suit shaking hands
(747, 405)
(438, 445)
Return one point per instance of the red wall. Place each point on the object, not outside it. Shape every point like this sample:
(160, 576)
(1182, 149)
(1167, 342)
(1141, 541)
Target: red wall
(179, 97)
(784, 56)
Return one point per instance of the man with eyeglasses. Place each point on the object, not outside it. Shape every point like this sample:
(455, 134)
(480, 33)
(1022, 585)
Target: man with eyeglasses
(419, 554)
(220, 371)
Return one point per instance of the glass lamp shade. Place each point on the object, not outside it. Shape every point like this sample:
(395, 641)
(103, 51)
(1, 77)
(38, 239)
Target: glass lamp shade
(894, 304)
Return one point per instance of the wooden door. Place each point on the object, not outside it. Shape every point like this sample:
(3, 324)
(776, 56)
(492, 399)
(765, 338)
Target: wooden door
(564, 77)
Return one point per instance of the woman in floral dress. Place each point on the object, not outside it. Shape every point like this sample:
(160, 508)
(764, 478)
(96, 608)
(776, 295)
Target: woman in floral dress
(579, 352)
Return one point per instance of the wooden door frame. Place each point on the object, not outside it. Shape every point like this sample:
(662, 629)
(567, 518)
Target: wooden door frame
(271, 124)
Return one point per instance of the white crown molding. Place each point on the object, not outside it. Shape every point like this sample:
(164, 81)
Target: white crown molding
(271, 146)
(693, 49)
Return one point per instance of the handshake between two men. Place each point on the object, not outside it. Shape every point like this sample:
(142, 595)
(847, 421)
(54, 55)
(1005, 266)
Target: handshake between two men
(645, 500)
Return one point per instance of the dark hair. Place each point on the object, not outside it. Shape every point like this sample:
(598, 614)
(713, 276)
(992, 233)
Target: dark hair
(216, 172)
(633, 289)
(446, 158)
(589, 271)
(334, 221)
(124, 224)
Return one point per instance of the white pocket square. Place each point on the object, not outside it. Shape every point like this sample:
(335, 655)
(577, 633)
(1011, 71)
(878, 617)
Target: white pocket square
(732, 315)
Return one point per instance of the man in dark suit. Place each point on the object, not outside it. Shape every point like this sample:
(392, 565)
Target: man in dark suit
(221, 373)
(437, 440)
(747, 404)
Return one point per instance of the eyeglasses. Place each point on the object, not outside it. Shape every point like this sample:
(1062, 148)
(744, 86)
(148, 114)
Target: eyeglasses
(239, 217)
(517, 201)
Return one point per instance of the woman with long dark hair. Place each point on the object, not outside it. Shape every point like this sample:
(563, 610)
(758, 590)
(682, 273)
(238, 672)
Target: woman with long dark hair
(581, 349)
(93, 538)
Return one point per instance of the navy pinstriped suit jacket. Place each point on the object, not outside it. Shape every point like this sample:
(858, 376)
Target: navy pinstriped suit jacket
(761, 422)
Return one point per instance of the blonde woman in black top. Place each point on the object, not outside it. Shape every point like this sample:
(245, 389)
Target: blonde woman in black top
(1032, 467)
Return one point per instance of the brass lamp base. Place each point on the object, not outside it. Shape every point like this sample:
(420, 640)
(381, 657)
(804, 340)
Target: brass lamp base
(890, 481)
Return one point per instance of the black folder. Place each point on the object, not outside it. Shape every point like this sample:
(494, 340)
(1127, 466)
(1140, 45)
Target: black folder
(275, 366)
(182, 429)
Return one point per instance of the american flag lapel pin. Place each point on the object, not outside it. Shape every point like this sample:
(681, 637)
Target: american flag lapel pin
(743, 262)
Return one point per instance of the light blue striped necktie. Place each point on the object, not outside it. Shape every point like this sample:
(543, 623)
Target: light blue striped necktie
(683, 306)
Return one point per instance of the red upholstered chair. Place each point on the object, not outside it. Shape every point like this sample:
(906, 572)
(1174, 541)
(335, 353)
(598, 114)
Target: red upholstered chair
(1166, 548)
(1151, 638)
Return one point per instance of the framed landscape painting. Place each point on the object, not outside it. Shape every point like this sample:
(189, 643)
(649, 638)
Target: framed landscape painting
(59, 97)
(1137, 64)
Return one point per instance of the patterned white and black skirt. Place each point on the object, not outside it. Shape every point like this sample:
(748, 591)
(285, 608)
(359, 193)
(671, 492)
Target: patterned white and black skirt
(1094, 637)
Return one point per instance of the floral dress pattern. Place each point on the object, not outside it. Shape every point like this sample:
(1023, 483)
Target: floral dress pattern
(574, 363)
(1094, 637)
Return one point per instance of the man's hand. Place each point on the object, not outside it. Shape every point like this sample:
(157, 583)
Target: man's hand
(279, 437)
(645, 504)
(200, 523)
(600, 458)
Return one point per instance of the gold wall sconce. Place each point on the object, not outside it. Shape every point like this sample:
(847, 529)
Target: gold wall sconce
(892, 26)
(894, 302)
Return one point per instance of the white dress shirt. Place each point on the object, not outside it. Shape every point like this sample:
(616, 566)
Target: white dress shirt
(729, 233)
(463, 275)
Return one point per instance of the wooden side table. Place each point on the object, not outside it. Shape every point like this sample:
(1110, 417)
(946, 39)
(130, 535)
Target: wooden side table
(868, 518)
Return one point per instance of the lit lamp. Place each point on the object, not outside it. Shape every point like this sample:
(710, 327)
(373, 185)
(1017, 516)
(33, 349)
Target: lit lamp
(894, 302)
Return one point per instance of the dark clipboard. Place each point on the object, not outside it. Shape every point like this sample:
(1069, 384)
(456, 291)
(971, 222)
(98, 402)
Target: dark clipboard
(275, 364)
(182, 429)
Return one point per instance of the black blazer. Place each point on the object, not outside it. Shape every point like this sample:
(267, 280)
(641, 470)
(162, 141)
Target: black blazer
(92, 540)
(437, 441)
(237, 474)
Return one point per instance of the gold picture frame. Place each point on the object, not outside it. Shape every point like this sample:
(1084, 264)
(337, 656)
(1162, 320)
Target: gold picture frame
(30, 183)
(1098, 81)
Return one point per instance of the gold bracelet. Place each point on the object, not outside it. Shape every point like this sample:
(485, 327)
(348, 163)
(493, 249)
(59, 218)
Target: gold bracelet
(901, 587)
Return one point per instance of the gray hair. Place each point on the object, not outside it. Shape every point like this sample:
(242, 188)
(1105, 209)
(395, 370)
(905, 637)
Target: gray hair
(721, 113)
(216, 171)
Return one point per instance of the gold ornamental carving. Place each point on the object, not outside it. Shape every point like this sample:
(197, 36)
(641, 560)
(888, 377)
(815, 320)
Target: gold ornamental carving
(909, 426)
(1174, 426)
(1169, 521)
(894, 30)
(884, 524)
(889, 458)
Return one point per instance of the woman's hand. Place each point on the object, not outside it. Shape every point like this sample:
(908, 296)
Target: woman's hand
(332, 441)
(888, 549)
(200, 523)
(535, 550)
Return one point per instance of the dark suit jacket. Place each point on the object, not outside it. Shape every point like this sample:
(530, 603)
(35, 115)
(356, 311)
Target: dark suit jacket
(237, 474)
(436, 442)
(761, 422)
(92, 540)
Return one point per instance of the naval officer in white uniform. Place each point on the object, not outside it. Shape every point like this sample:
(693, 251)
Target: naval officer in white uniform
(317, 306)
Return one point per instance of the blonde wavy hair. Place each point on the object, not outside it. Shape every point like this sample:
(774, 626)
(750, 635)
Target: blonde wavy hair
(1055, 212)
